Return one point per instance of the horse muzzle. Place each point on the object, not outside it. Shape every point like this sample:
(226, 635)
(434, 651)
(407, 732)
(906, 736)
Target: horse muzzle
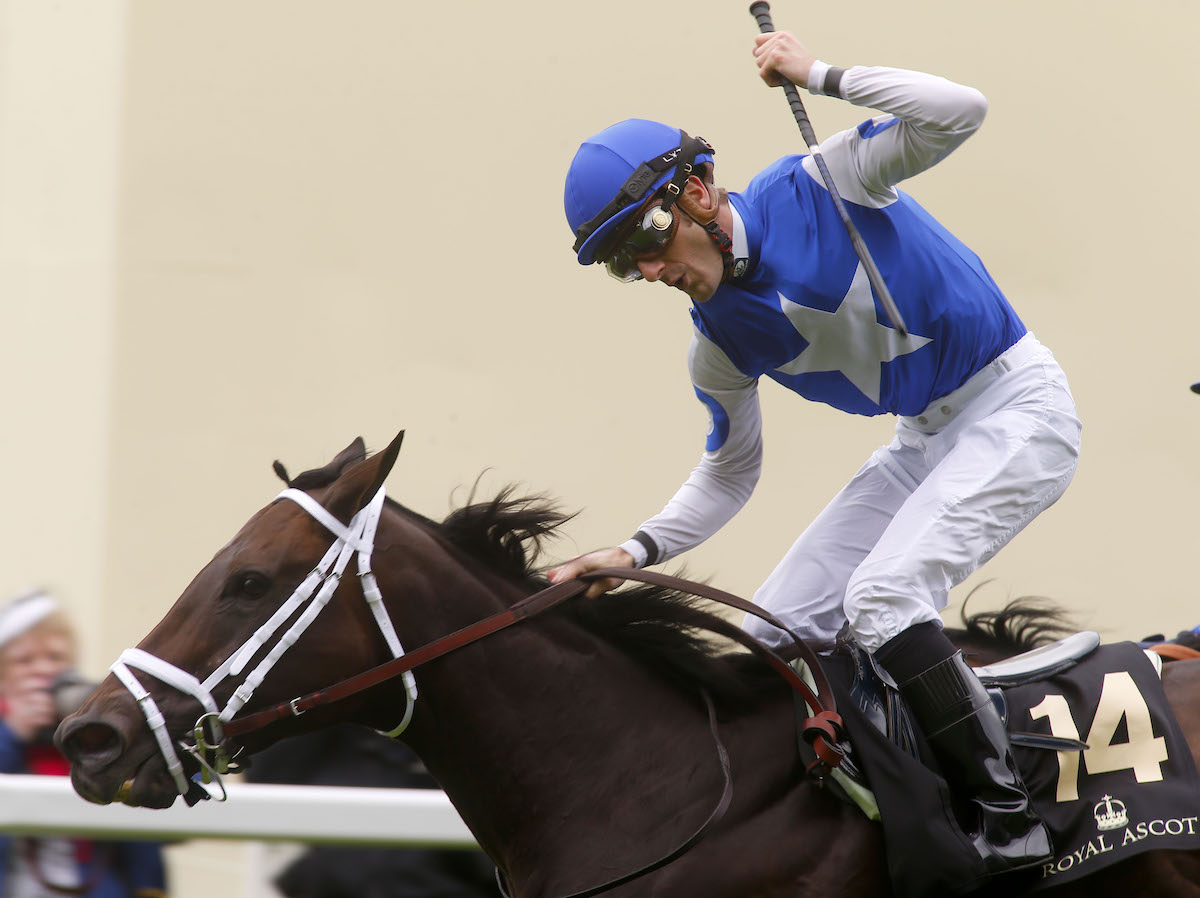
(108, 765)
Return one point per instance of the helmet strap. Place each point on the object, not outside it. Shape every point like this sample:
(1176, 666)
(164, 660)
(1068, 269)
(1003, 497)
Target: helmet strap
(707, 219)
(689, 148)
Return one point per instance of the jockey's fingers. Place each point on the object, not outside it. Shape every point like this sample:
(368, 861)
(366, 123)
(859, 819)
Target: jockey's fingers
(600, 587)
(568, 571)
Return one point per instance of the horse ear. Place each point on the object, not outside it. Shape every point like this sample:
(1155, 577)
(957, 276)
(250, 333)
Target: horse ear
(355, 452)
(327, 473)
(359, 483)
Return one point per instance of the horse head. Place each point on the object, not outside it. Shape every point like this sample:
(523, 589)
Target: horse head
(156, 719)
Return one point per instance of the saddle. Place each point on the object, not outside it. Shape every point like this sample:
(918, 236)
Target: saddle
(1106, 764)
(877, 698)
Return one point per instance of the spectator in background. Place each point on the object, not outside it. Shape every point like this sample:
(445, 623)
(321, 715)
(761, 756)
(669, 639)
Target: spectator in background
(350, 755)
(37, 656)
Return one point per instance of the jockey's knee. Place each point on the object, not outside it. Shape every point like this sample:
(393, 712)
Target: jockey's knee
(877, 614)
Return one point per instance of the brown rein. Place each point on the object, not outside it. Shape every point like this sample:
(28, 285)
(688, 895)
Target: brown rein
(823, 730)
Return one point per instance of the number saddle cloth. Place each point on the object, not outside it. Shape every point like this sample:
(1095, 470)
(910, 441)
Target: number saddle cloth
(1134, 787)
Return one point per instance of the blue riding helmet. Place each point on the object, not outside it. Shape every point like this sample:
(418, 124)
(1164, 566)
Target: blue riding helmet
(599, 178)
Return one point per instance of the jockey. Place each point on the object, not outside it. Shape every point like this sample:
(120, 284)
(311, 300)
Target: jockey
(986, 435)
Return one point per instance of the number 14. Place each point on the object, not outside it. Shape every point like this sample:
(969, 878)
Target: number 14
(1119, 697)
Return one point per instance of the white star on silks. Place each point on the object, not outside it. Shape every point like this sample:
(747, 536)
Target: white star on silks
(849, 340)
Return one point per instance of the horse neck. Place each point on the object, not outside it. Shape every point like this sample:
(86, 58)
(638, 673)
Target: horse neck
(524, 729)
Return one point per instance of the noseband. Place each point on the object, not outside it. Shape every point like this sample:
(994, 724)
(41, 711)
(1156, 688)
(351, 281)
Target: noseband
(207, 744)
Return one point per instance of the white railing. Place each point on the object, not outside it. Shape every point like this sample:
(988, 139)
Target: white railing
(44, 805)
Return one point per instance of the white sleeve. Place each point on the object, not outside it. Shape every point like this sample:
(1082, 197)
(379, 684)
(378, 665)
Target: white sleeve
(729, 468)
(925, 118)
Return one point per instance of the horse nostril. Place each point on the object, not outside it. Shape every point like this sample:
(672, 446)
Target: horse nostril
(92, 742)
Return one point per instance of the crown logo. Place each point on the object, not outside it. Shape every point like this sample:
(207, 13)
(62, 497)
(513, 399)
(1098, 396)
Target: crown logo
(1110, 813)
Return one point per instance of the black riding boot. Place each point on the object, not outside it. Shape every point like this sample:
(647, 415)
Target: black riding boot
(968, 739)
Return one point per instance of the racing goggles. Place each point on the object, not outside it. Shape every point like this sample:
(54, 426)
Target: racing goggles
(652, 233)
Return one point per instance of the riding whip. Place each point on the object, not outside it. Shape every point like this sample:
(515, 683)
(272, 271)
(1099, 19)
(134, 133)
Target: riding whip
(761, 10)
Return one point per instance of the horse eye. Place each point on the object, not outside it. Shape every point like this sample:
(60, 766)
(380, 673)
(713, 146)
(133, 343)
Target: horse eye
(250, 585)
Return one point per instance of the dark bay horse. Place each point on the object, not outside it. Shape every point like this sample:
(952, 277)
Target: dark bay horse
(576, 746)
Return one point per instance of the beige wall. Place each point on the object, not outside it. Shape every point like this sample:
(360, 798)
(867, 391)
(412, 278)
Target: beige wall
(233, 232)
(344, 220)
(61, 84)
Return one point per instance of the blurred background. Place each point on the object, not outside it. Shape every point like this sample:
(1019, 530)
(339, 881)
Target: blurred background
(241, 231)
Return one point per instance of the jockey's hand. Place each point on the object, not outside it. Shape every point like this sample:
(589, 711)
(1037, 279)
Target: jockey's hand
(601, 558)
(778, 53)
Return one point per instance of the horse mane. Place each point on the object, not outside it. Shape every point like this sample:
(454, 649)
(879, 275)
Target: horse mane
(1024, 623)
(506, 533)
(663, 629)
(671, 632)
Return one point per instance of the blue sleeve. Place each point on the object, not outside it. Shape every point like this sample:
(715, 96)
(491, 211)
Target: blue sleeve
(141, 866)
(12, 751)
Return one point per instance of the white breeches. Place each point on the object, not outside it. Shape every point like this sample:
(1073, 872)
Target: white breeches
(955, 484)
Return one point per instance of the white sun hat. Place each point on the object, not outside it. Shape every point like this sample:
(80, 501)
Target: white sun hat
(22, 614)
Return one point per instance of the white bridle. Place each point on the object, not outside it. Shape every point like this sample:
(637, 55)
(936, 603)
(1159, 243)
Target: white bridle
(357, 538)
